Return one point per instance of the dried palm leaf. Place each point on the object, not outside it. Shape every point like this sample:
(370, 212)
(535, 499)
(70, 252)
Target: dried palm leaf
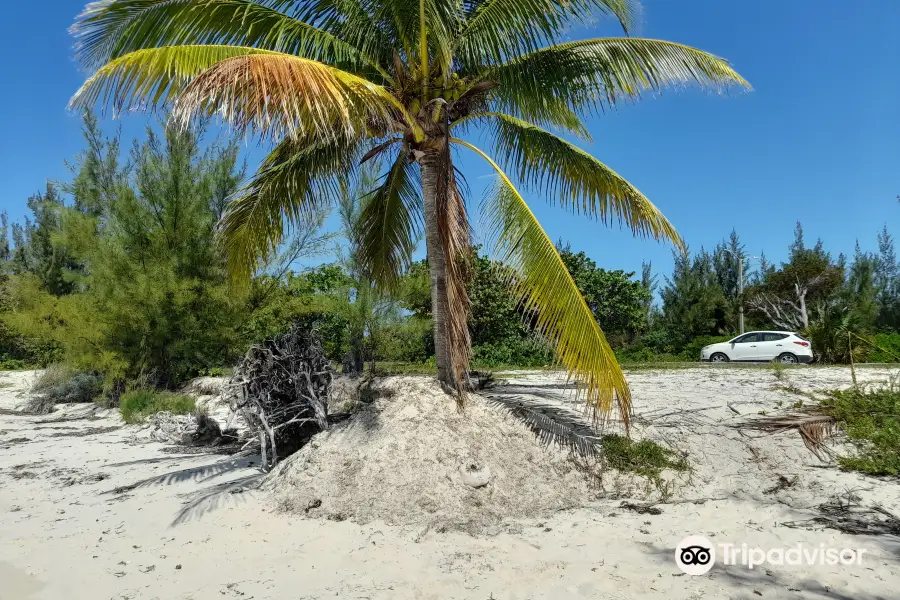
(552, 424)
(814, 429)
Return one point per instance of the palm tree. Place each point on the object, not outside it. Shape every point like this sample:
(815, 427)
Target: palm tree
(334, 83)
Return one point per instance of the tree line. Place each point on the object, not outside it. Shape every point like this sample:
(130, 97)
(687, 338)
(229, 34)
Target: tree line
(117, 272)
(849, 306)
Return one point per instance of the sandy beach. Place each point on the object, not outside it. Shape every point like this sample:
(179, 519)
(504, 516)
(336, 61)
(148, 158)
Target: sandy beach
(93, 509)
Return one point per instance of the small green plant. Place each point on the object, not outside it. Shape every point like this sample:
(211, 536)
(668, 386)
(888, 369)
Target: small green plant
(136, 406)
(871, 419)
(646, 457)
(217, 372)
(778, 370)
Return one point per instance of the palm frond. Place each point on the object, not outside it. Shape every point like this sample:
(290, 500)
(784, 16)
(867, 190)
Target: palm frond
(576, 180)
(147, 78)
(544, 285)
(108, 30)
(497, 30)
(551, 423)
(390, 224)
(278, 95)
(295, 180)
(814, 429)
(593, 74)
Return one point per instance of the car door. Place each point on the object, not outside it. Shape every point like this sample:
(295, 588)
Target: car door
(770, 345)
(745, 347)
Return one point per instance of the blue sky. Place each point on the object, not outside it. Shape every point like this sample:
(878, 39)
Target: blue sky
(818, 139)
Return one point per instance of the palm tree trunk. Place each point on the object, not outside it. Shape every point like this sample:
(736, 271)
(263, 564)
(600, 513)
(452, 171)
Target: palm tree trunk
(436, 267)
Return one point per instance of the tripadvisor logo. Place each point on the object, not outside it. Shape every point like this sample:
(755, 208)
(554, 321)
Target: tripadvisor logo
(696, 555)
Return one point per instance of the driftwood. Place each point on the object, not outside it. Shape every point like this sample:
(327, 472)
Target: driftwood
(281, 389)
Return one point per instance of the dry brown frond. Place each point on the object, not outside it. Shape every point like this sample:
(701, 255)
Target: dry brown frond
(456, 240)
(814, 429)
(278, 95)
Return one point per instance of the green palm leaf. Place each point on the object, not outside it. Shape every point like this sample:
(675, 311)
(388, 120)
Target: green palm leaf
(544, 285)
(390, 225)
(592, 74)
(109, 30)
(576, 180)
(148, 77)
(294, 179)
(497, 30)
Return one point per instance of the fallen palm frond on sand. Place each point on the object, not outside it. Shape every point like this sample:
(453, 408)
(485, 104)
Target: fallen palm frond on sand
(845, 512)
(869, 416)
(552, 424)
(814, 429)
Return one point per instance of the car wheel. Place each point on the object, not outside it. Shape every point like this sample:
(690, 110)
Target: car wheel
(788, 359)
(718, 357)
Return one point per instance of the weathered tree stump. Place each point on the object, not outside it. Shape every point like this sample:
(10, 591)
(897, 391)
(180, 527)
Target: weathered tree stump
(281, 389)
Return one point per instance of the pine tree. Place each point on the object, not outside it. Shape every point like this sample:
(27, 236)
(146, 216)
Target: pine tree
(887, 279)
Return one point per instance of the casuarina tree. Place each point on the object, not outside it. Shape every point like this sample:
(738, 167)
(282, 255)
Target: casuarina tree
(334, 83)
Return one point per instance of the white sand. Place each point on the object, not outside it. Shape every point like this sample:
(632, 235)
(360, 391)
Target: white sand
(67, 533)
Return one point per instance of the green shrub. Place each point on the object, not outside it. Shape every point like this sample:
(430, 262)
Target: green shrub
(524, 352)
(410, 341)
(691, 352)
(646, 457)
(217, 372)
(871, 419)
(636, 355)
(12, 364)
(886, 350)
(136, 406)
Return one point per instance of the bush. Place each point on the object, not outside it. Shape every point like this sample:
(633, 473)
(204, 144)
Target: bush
(136, 406)
(871, 419)
(410, 341)
(60, 385)
(691, 351)
(524, 352)
(886, 348)
(12, 364)
(638, 354)
(646, 458)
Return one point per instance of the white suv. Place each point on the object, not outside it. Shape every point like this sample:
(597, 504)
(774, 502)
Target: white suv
(762, 346)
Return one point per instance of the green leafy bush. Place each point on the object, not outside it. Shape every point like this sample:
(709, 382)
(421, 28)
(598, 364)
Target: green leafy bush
(642, 354)
(871, 419)
(645, 458)
(409, 341)
(522, 352)
(885, 348)
(136, 406)
(691, 351)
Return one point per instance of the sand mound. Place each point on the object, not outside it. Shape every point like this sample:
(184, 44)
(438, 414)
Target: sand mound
(410, 458)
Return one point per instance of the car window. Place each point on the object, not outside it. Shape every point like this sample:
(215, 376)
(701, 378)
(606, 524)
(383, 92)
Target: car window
(750, 337)
(773, 337)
